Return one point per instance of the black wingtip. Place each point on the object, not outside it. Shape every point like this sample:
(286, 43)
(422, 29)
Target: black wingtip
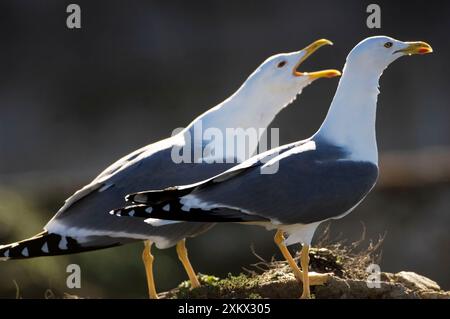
(45, 244)
(140, 211)
(173, 212)
(131, 197)
(140, 198)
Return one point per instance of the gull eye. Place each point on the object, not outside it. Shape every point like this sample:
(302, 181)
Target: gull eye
(388, 45)
(281, 64)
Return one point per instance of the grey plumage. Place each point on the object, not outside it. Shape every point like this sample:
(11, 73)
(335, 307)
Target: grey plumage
(90, 212)
(315, 181)
(321, 178)
(84, 221)
(84, 216)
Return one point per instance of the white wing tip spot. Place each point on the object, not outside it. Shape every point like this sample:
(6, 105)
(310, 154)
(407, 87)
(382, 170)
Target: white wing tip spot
(63, 243)
(166, 208)
(25, 252)
(149, 210)
(131, 213)
(45, 248)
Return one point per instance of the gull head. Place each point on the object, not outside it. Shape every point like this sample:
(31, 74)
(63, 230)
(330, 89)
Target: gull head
(281, 74)
(376, 53)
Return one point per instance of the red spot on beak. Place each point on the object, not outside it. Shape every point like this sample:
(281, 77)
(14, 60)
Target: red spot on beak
(424, 50)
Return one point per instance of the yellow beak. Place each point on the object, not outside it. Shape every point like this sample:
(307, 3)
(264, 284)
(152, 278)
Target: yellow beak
(323, 74)
(417, 47)
(310, 49)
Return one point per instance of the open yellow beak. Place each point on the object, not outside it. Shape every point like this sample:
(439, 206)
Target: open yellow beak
(310, 49)
(323, 74)
(417, 47)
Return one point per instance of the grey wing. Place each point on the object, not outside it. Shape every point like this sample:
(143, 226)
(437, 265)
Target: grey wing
(86, 213)
(161, 195)
(309, 186)
(105, 178)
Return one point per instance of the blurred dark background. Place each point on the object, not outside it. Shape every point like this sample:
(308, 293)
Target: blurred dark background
(74, 101)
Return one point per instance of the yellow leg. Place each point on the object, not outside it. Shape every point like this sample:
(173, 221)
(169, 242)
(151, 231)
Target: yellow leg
(304, 260)
(183, 256)
(314, 278)
(147, 257)
(279, 240)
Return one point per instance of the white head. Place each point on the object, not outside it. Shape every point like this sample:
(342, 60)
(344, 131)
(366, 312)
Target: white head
(374, 54)
(350, 122)
(280, 74)
(271, 87)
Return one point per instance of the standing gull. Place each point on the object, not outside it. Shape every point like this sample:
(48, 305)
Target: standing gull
(320, 178)
(83, 223)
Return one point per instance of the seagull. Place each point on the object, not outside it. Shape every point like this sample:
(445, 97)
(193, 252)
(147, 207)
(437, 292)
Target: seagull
(83, 223)
(323, 177)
